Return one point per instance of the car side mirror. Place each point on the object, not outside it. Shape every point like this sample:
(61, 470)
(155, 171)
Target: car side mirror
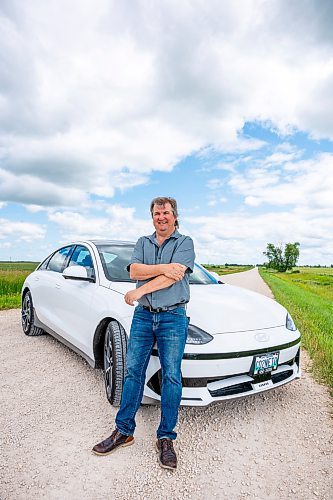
(76, 273)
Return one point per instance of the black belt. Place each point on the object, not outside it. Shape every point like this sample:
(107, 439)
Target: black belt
(162, 309)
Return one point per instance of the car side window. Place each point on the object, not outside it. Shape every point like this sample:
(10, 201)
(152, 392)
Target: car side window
(57, 261)
(43, 265)
(82, 257)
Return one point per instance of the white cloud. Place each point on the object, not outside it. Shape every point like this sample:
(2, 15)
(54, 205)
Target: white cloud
(296, 195)
(78, 226)
(34, 208)
(304, 183)
(119, 223)
(280, 158)
(27, 189)
(242, 237)
(6, 244)
(252, 201)
(22, 231)
(229, 167)
(96, 99)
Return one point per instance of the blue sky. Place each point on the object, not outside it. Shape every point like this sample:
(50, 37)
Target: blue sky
(225, 106)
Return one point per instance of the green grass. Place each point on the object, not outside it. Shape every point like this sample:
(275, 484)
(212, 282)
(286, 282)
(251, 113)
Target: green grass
(233, 268)
(308, 296)
(12, 276)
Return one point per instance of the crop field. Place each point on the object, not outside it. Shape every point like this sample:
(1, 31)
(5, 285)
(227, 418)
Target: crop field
(12, 276)
(233, 268)
(307, 293)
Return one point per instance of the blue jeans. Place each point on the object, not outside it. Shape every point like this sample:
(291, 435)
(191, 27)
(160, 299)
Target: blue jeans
(169, 329)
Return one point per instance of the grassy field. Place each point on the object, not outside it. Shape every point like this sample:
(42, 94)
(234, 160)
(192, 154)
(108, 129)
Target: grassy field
(226, 269)
(12, 276)
(307, 293)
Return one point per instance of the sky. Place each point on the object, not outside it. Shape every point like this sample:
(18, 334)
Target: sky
(225, 105)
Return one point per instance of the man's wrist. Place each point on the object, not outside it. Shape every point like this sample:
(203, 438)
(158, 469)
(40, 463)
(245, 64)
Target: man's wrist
(163, 268)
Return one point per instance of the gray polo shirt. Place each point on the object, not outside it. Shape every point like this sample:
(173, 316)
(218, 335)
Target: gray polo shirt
(177, 248)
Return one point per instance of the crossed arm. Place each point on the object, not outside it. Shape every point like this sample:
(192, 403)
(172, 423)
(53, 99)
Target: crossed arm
(164, 275)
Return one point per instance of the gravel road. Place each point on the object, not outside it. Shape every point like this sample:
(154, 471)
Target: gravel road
(53, 410)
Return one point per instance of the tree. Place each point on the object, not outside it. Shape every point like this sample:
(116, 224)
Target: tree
(280, 258)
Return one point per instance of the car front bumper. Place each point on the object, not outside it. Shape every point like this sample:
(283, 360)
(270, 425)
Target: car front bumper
(208, 378)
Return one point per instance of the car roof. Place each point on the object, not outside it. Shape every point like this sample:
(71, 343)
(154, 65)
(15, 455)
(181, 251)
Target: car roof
(110, 242)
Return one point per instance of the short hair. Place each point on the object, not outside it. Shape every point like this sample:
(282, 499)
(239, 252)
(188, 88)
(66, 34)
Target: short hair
(161, 201)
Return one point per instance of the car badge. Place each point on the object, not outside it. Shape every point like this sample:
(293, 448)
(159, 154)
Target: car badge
(262, 337)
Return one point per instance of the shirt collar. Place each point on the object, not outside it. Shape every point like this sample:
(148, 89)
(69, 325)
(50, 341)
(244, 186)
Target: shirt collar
(152, 237)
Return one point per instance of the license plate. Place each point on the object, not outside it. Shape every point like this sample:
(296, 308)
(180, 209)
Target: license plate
(265, 363)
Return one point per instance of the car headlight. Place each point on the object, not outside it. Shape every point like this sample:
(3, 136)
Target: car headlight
(197, 336)
(290, 323)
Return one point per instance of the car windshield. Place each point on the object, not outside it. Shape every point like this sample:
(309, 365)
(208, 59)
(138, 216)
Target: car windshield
(201, 276)
(115, 259)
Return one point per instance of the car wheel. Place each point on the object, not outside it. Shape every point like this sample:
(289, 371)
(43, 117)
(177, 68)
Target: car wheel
(115, 348)
(28, 317)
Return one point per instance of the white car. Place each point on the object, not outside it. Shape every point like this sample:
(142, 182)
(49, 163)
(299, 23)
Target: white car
(239, 342)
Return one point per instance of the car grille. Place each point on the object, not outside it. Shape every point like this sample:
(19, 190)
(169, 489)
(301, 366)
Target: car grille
(231, 390)
(279, 377)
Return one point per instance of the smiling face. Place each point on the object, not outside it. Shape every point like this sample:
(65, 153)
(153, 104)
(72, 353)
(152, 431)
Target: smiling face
(164, 220)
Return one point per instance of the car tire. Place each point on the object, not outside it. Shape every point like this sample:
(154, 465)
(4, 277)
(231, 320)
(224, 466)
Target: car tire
(115, 349)
(28, 317)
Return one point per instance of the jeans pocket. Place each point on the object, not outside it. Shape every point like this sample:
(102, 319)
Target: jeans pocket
(179, 311)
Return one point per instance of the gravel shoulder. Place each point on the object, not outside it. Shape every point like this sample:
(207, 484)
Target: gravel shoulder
(53, 410)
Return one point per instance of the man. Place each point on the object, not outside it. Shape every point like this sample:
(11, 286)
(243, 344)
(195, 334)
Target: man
(161, 264)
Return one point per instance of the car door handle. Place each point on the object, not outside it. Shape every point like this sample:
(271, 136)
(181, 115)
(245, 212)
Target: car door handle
(58, 286)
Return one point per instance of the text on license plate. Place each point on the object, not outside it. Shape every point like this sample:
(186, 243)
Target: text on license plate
(265, 363)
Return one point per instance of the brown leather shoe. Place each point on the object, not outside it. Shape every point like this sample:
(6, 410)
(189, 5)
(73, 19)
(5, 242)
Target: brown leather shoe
(166, 454)
(110, 444)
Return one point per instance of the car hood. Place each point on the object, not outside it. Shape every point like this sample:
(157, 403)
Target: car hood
(226, 308)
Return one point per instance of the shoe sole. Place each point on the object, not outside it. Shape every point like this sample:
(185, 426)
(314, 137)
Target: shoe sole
(159, 460)
(114, 449)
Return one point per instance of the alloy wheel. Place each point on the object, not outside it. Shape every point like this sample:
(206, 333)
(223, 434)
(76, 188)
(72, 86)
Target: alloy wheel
(26, 313)
(108, 362)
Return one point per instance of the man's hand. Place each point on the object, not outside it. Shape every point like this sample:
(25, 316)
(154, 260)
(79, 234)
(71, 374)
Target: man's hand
(174, 271)
(132, 296)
